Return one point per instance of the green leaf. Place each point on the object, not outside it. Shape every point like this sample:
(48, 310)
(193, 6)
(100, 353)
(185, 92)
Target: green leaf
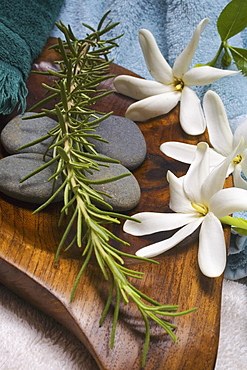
(115, 317)
(233, 19)
(107, 180)
(238, 222)
(60, 119)
(63, 52)
(63, 154)
(39, 169)
(40, 104)
(240, 231)
(108, 303)
(103, 20)
(240, 58)
(39, 140)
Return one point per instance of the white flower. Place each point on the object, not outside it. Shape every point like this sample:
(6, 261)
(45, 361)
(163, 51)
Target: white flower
(171, 85)
(223, 141)
(198, 199)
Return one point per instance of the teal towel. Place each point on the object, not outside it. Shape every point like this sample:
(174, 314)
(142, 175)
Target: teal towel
(24, 29)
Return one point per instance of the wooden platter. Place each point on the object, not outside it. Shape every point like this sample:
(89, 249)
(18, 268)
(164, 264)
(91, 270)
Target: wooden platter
(29, 243)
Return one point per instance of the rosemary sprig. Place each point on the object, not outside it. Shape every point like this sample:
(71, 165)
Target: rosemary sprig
(84, 64)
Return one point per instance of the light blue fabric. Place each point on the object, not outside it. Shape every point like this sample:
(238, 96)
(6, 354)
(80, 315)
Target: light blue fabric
(236, 263)
(172, 23)
(183, 16)
(132, 15)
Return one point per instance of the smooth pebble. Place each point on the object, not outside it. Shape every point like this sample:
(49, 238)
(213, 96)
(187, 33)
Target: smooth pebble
(124, 193)
(36, 189)
(126, 142)
(19, 132)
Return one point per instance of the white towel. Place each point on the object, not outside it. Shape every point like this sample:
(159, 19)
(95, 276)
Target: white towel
(31, 340)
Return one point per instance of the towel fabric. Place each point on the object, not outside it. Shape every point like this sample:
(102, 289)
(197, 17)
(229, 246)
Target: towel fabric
(132, 15)
(31, 340)
(24, 29)
(172, 23)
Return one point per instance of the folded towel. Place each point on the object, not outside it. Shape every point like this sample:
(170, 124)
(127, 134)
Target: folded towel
(24, 29)
(236, 267)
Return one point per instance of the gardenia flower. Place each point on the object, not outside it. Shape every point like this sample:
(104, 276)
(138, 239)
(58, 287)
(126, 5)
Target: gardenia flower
(223, 141)
(171, 85)
(198, 200)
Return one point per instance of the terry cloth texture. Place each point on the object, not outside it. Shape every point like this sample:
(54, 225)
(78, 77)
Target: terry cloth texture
(172, 23)
(25, 26)
(30, 340)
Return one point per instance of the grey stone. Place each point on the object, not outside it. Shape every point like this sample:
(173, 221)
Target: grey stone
(126, 142)
(19, 132)
(124, 193)
(36, 189)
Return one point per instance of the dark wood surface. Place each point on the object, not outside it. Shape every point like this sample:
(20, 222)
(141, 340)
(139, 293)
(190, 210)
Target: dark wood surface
(29, 242)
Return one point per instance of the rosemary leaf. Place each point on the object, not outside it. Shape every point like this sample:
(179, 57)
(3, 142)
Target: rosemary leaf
(47, 164)
(83, 65)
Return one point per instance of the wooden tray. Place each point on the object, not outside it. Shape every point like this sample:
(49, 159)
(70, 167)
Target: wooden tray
(29, 242)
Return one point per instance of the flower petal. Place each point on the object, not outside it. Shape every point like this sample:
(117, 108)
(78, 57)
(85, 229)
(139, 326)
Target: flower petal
(138, 88)
(178, 200)
(241, 131)
(197, 173)
(230, 170)
(238, 180)
(227, 201)
(152, 106)
(156, 63)
(205, 75)
(155, 249)
(215, 180)
(180, 151)
(153, 222)
(212, 247)
(183, 61)
(243, 162)
(220, 134)
(186, 152)
(191, 116)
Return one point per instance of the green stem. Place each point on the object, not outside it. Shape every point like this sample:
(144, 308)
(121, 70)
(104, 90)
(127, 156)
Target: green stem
(229, 220)
(214, 61)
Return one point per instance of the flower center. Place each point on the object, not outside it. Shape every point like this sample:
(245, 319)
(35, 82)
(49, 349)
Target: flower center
(201, 208)
(178, 85)
(237, 159)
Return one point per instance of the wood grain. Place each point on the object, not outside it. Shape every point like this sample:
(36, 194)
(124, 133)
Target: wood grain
(29, 242)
